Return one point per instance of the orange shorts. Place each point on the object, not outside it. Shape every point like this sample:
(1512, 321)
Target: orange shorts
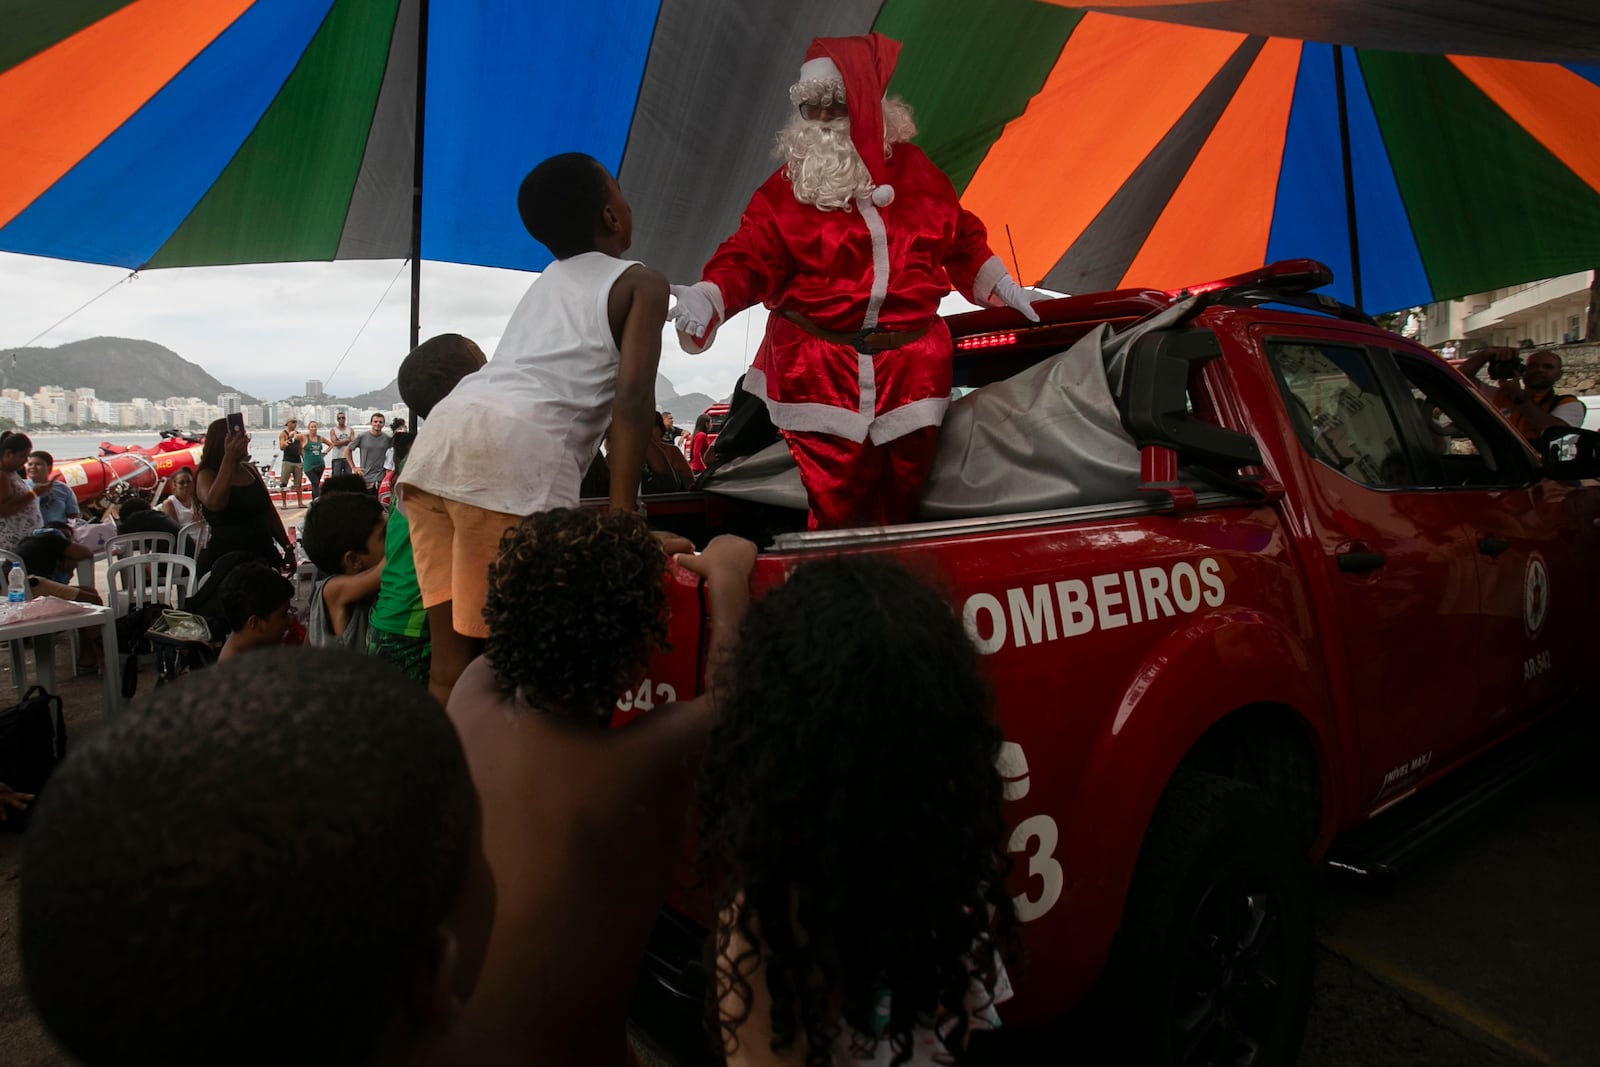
(452, 545)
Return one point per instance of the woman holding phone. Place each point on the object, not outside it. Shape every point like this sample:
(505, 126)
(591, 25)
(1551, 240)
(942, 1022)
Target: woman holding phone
(234, 499)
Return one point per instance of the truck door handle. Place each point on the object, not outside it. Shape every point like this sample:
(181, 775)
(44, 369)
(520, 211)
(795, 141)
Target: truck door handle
(1356, 562)
(1493, 546)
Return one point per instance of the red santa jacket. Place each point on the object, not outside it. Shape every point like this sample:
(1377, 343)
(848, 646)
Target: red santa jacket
(867, 268)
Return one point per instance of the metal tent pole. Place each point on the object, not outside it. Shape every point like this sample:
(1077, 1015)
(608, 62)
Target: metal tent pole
(418, 123)
(1349, 177)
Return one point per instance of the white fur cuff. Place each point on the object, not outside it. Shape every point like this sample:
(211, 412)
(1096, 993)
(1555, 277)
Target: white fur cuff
(989, 276)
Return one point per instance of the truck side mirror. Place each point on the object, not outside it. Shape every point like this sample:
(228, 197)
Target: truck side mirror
(1571, 454)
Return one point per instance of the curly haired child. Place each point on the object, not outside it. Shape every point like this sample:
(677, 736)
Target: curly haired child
(850, 822)
(583, 824)
(260, 874)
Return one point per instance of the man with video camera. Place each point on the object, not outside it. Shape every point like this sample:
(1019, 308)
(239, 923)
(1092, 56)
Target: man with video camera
(1532, 404)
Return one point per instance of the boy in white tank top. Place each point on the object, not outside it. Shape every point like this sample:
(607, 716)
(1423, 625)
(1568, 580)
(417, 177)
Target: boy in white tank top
(579, 353)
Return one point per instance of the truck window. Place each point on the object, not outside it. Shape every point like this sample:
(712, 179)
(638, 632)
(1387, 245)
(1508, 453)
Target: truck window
(1468, 445)
(1339, 411)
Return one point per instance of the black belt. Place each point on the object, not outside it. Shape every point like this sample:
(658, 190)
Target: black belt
(864, 341)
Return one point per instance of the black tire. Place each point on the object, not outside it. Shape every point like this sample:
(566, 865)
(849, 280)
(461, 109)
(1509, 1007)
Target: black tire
(1215, 957)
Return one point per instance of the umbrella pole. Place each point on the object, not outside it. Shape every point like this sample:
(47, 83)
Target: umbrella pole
(1349, 177)
(416, 175)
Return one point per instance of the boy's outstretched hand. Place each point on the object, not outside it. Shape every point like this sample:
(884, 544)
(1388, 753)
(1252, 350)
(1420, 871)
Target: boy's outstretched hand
(673, 544)
(10, 798)
(726, 556)
(726, 565)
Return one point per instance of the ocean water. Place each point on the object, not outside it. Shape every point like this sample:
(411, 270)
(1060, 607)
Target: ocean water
(65, 446)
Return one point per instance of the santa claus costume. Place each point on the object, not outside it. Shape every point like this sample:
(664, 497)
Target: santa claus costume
(852, 243)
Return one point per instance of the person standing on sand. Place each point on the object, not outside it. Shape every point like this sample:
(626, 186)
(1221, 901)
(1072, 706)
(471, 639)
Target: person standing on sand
(339, 440)
(290, 442)
(314, 448)
(373, 448)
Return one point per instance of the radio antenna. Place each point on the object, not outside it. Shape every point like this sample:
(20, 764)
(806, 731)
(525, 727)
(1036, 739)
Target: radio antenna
(1015, 266)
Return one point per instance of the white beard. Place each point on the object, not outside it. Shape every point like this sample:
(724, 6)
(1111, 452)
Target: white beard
(822, 164)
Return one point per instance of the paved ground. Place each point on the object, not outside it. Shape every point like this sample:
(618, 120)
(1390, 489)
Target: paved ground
(1486, 955)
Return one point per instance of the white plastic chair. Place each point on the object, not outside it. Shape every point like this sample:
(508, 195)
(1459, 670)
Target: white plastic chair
(130, 544)
(192, 538)
(163, 578)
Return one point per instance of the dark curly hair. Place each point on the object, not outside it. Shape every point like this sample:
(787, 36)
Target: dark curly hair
(242, 877)
(851, 812)
(577, 603)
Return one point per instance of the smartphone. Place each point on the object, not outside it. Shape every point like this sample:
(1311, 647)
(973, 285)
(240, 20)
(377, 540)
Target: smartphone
(236, 422)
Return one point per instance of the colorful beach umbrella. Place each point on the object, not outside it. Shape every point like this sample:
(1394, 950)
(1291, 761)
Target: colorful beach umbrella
(1446, 149)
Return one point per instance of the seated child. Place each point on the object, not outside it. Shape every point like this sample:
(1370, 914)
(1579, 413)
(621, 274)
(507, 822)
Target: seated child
(583, 824)
(345, 483)
(223, 883)
(399, 629)
(255, 603)
(344, 538)
(137, 516)
(580, 351)
(852, 770)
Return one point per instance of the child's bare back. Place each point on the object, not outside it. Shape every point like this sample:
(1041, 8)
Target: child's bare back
(583, 825)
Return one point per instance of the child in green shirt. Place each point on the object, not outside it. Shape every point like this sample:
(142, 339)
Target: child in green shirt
(398, 625)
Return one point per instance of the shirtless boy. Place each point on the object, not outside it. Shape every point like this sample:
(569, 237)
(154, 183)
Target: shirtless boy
(583, 824)
(580, 352)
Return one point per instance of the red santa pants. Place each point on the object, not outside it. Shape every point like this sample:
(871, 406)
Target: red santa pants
(850, 484)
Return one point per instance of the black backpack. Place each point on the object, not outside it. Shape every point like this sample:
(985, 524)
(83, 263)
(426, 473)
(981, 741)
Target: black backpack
(33, 739)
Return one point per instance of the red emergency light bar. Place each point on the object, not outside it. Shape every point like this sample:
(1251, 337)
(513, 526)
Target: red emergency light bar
(1284, 276)
(988, 340)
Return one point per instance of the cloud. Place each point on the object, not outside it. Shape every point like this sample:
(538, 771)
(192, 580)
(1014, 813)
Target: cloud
(267, 328)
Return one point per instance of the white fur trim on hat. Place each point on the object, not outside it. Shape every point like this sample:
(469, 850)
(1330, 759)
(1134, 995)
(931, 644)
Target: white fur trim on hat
(820, 70)
(883, 195)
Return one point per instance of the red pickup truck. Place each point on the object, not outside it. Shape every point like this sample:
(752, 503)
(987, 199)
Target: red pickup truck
(1292, 571)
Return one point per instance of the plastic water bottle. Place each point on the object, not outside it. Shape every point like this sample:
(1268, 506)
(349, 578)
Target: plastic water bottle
(16, 592)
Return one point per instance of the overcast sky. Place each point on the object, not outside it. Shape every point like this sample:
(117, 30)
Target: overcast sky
(268, 328)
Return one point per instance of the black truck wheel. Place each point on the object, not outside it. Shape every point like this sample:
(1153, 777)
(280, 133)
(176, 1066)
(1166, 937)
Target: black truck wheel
(1214, 960)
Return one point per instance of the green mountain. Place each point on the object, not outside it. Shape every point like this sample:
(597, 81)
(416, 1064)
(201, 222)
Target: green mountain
(684, 408)
(116, 368)
(120, 368)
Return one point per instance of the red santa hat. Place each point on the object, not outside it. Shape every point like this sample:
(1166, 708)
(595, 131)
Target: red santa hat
(863, 66)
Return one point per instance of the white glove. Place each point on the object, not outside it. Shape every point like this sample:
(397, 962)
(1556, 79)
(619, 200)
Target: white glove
(1007, 291)
(695, 311)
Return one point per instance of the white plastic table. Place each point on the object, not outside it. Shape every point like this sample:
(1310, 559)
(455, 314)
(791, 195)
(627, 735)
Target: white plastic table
(45, 616)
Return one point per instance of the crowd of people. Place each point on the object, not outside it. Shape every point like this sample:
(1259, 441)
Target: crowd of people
(308, 455)
(446, 848)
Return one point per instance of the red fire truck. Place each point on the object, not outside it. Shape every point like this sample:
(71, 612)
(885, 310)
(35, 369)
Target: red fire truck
(1246, 571)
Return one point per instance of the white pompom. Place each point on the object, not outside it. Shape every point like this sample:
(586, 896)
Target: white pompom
(883, 195)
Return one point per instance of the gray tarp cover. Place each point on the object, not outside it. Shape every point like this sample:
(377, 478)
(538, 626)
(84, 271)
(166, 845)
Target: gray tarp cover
(1049, 437)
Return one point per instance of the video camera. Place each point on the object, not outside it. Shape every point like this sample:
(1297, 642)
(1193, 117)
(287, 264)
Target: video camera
(1504, 364)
